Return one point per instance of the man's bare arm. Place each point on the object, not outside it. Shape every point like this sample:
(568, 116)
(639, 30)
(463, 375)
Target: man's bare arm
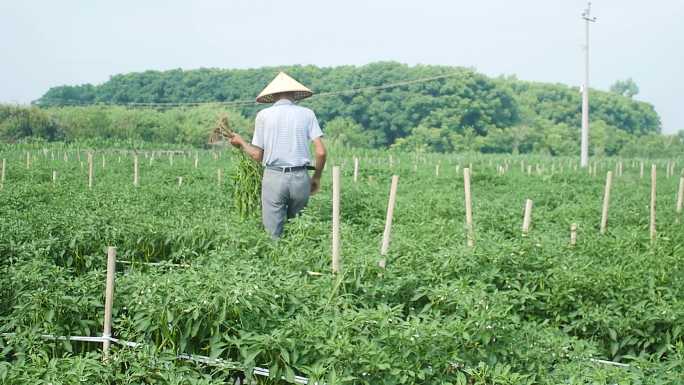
(253, 152)
(319, 155)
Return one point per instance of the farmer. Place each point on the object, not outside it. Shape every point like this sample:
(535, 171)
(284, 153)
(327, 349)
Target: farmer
(282, 134)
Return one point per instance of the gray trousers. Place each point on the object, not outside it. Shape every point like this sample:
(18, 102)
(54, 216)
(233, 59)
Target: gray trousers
(283, 196)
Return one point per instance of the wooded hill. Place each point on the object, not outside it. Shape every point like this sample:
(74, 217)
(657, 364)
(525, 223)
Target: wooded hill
(464, 111)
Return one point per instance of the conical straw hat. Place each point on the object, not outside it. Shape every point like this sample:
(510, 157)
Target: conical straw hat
(283, 83)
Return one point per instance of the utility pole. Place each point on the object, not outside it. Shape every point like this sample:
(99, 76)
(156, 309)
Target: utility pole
(584, 146)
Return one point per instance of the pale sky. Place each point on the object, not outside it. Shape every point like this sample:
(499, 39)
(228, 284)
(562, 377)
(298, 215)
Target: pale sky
(50, 43)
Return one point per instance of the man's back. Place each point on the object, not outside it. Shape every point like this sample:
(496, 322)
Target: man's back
(284, 132)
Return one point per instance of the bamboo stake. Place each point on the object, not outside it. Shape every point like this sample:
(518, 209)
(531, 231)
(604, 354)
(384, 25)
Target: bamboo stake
(680, 198)
(2, 173)
(109, 300)
(90, 170)
(470, 231)
(527, 217)
(136, 177)
(356, 169)
(388, 220)
(618, 168)
(573, 234)
(653, 202)
(336, 220)
(606, 202)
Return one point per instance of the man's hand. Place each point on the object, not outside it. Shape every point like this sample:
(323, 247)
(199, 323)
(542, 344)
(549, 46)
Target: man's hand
(315, 185)
(237, 141)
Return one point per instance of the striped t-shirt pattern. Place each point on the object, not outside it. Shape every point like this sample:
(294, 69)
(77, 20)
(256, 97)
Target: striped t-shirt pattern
(284, 132)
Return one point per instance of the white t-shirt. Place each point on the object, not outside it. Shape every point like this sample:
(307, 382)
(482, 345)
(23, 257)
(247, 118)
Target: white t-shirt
(284, 132)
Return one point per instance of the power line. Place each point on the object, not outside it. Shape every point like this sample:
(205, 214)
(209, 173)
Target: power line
(247, 102)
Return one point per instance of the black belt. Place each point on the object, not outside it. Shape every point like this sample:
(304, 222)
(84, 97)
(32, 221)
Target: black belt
(290, 169)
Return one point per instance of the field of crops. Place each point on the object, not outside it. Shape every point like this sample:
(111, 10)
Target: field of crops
(512, 309)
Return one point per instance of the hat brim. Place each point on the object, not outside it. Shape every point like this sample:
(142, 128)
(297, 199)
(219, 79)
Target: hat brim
(270, 98)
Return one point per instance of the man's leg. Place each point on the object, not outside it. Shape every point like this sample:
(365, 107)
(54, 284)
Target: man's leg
(273, 202)
(299, 188)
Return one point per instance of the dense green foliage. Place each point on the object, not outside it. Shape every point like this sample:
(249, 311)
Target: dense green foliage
(513, 310)
(461, 110)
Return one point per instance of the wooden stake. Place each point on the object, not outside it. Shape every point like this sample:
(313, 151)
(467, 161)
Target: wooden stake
(2, 173)
(606, 202)
(527, 217)
(470, 231)
(90, 170)
(196, 160)
(136, 178)
(28, 160)
(437, 170)
(680, 198)
(54, 177)
(641, 170)
(103, 161)
(653, 203)
(336, 220)
(388, 220)
(219, 174)
(356, 169)
(109, 300)
(180, 181)
(573, 234)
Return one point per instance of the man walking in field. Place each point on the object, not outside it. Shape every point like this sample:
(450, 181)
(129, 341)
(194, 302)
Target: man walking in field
(282, 134)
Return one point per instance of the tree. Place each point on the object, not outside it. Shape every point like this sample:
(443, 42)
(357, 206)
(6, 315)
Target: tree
(346, 132)
(626, 88)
